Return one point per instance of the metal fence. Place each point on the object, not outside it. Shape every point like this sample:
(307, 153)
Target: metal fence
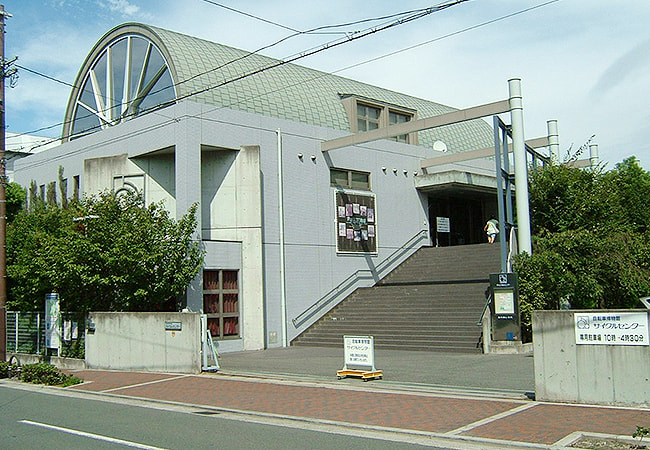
(26, 334)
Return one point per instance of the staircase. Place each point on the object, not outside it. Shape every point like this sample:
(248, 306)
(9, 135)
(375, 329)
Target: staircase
(430, 302)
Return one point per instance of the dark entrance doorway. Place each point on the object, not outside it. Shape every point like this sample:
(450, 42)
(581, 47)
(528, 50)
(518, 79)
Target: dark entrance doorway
(466, 214)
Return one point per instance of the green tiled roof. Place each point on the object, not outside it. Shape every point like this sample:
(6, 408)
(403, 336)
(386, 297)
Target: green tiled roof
(290, 91)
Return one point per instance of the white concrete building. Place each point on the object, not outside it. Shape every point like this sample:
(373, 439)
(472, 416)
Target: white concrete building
(289, 230)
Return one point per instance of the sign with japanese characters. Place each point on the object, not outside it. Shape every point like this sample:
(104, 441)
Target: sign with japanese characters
(442, 225)
(611, 328)
(504, 302)
(359, 351)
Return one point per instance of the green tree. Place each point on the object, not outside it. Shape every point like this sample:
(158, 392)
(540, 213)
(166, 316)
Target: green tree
(591, 243)
(104, 253)
(16, 197)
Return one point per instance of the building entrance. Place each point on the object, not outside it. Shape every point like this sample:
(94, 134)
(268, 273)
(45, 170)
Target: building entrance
(466, 216)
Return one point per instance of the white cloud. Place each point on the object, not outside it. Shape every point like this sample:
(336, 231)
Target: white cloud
(576, 61)
(122, 7)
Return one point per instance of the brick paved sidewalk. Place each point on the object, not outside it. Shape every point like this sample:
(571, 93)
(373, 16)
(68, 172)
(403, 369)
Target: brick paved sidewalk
(353, 402)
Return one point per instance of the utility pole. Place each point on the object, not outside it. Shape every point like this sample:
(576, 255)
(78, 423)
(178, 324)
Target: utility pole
(3, 196)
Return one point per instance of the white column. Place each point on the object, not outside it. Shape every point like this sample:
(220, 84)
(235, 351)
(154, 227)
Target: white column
(521, 167)
(553, 141)
(593, 155)
(283, 289)
(187, 185)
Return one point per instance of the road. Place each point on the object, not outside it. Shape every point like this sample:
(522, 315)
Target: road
(35, 418)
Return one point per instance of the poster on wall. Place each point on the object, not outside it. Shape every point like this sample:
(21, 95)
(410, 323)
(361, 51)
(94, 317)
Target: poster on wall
(355, 223)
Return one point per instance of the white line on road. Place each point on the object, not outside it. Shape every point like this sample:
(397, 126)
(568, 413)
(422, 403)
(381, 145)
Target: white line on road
(493, 418)
(146, 383)
(91, 435)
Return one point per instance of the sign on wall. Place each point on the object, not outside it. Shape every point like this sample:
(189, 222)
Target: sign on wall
(356, 223)
(611, 328)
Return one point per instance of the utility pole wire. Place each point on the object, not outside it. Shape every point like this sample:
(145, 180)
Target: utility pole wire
(251, 15)
(413, 15)
(65, 83)
(297, 33)
(448, 35)
(327, 46)
(344, 68)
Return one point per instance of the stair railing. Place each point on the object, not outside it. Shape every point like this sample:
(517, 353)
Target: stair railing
(485, 321)
(513, 248)
(488, 299)
(337, 294)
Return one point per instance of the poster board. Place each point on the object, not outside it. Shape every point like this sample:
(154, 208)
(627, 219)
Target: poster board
(356, 222)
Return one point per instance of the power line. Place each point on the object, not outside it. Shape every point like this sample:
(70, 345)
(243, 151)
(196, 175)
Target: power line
(455, 33)
(347, 67)
(329, 45)
(251, 15)
(297, 33)
(410, 16)
(35, 72)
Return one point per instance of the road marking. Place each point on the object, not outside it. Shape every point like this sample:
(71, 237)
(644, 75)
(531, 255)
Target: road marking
(146, 383)
(98, 437)
(490, 419)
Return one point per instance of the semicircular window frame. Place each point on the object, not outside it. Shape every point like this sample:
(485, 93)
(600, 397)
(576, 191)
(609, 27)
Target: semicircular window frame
(127, 78)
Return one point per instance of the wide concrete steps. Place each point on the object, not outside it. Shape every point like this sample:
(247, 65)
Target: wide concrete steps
(446, 264)
(431, 302)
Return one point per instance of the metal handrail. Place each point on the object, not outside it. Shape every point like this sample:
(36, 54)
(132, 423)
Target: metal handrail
(513, 247)
(334, 293)
(488, 298)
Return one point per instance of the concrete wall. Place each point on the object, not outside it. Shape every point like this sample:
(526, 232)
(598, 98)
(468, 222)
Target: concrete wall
(139, 341)
(579, 373)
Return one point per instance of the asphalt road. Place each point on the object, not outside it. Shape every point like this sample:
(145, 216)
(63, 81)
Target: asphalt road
(33, 418)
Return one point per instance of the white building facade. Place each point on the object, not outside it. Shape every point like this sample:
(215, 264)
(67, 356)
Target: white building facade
(288, 230)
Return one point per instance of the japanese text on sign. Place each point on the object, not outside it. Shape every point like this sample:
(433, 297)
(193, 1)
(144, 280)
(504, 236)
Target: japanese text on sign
(618, 328)
(359, 350)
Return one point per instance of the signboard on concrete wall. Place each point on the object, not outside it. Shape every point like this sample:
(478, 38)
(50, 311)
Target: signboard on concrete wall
(356, 222)
(611, 328)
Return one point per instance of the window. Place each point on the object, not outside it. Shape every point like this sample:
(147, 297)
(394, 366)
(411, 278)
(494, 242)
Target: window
(221, 302)
(63, 187)
(75, 187)
(367, 115)
(128, 77)
(395, 118)
(350, 179)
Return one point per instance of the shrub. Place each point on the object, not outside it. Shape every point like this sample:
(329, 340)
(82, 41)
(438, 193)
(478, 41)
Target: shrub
(43, 373)
(8, 370)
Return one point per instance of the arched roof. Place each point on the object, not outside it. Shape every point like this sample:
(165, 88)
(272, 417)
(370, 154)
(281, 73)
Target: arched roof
(202, 71)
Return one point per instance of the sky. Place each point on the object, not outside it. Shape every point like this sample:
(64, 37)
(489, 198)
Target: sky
(584, 63)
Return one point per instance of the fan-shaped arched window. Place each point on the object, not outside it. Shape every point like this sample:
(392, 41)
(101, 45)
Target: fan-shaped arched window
(128, 77)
